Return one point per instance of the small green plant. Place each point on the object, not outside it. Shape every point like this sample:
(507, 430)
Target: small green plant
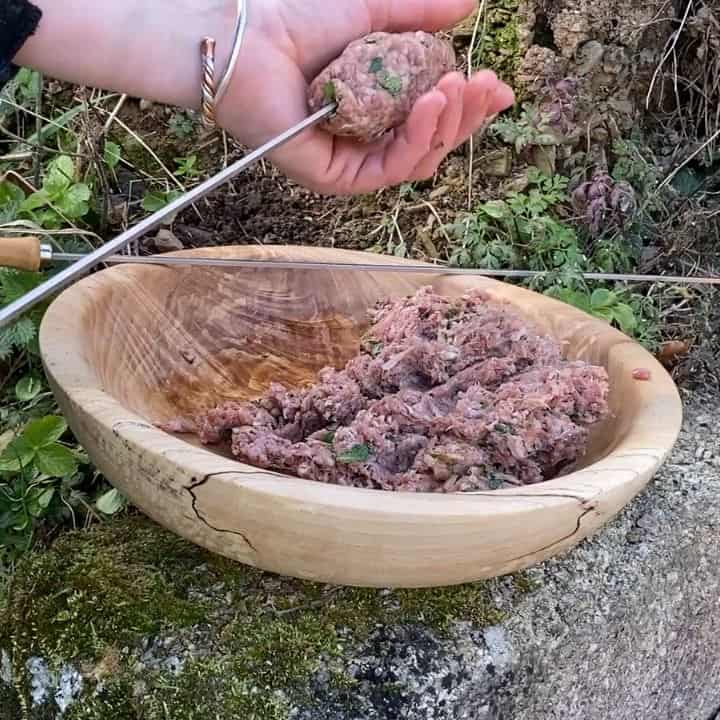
(602, 303)
(112, 154)
(21, 336)
(40, 479)
(187, 166)
(531, 128)
(520, 228)
(61, 198)
(181, 125)
(28, 86)
(156, 200)
(632, 165)
(523, 230)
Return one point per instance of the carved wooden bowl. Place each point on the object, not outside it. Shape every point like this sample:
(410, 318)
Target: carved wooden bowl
(134, 345)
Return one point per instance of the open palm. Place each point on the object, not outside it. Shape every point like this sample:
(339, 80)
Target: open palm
(291, 41)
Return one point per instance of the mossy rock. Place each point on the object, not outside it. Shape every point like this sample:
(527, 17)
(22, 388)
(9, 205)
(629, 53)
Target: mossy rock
(499, 43)
(128, 621)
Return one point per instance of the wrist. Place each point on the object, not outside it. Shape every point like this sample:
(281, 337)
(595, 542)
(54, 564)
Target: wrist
(144, 49)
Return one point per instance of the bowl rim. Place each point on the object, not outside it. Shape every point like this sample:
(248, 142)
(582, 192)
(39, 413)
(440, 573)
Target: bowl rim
(72, 376)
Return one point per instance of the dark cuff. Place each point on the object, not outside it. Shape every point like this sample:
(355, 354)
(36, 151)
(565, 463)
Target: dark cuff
(18, 21)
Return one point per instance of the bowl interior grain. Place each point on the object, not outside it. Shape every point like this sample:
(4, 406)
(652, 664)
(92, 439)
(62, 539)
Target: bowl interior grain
(166, 342)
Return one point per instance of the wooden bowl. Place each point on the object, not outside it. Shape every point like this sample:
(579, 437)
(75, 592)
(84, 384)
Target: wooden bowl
(133, 345)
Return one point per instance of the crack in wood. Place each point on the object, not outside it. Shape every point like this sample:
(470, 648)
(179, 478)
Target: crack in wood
(199, 483)
(131, 423)
(589, 508)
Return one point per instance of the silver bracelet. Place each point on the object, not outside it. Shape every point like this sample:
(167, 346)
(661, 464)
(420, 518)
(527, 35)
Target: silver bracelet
(212, 94)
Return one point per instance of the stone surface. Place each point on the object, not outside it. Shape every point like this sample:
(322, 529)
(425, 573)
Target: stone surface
(624, 627)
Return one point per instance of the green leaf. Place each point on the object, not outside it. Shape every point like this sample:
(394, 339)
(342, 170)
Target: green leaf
(6, 343)
(24, 331)
(61, 174)
(504, 429)
(625, 317)
(604, 313)
(11, 198)
(61, 171)
(329, 92)
(55, 460)
(496, 209)
(36, 200)
(357, 453)
(392, 83)
(17, 455)
(112, 154)
(110, 502)
(45, 431)
(46, 498)
(15, 283)
(376, 65)
(155, 201)
(28, 388)
(602, 298)
(73, 203)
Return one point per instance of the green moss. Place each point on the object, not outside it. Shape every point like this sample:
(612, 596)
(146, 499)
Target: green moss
(524, 584)
(500, 48)
(93, 590)
(121, 582)
(9, 703)
(115, 701)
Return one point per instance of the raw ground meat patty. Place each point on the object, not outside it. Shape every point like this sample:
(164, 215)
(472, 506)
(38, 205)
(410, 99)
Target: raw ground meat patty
(377, 80)
(445, 395)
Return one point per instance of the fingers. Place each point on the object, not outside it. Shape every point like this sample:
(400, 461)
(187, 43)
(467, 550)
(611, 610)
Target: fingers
(484, 97)
(392, 161)
(470, 105)
(408, 15)
(453, 87)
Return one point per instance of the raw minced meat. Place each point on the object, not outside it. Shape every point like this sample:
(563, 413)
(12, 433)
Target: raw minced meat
(378, 79)
(444, 395)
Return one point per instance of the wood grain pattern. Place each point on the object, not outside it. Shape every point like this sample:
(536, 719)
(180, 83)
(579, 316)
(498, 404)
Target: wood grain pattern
(133, 345)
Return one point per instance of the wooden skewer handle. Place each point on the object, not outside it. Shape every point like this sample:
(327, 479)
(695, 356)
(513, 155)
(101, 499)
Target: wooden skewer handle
(21, 253)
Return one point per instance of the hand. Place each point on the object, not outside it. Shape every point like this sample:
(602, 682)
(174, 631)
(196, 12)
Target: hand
(288, 42)
(151, 50)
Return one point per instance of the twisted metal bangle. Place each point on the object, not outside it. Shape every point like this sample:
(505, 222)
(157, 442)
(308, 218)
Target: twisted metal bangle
(212, 94)
(208, 83)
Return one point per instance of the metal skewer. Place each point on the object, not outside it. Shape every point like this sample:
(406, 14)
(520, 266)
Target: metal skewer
(67, 276)
(30, 254)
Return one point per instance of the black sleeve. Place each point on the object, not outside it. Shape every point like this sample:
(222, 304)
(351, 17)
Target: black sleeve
(18, 21)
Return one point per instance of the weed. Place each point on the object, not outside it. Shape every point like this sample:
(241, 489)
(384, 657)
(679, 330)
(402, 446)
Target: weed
(46, 480)
(503, 233)
(524, 230)
(532, 128)
(157, 200)
(181, 125)
(61, 200)
(40, 477)
(187, 167)
(21, 337)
